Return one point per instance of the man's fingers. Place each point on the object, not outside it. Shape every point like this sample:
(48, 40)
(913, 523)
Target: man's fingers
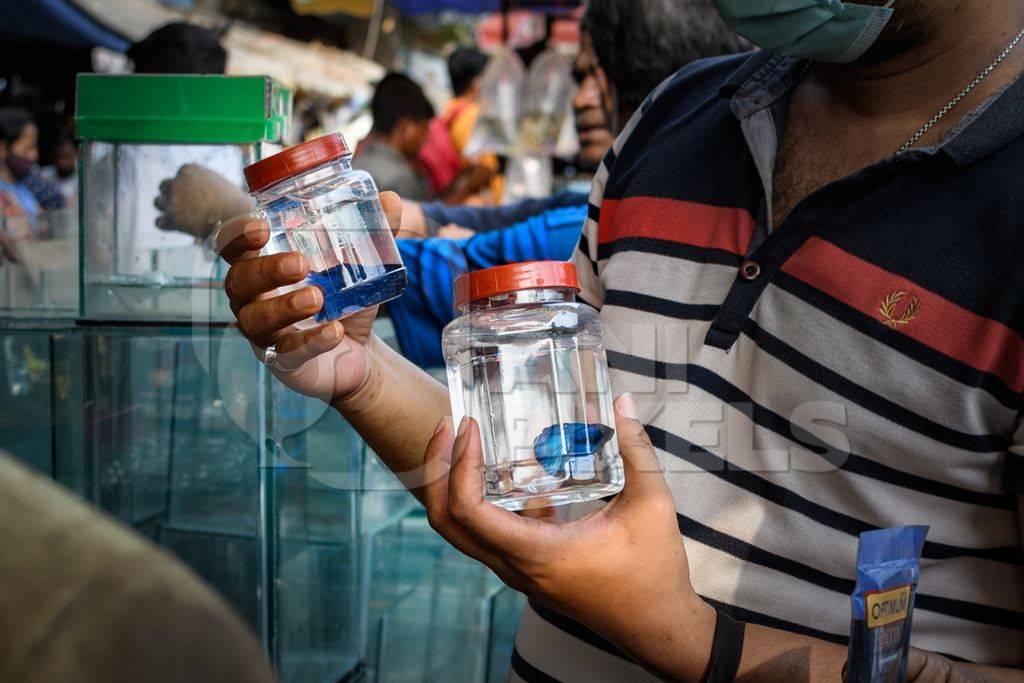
(504, 532)
(248, 279)
(644, 477)
(298, 348)
(434, 492)
(437, 460)
(391, 203)
(263, 322)
(240, 238)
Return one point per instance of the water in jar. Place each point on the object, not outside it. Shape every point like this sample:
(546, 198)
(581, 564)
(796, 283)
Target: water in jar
(348, 244)
(539, 390)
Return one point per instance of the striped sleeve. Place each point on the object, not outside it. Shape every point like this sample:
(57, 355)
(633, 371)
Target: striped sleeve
(586, 254)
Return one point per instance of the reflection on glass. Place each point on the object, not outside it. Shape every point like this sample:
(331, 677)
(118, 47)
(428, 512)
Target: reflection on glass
(270, 497)
(39, 265)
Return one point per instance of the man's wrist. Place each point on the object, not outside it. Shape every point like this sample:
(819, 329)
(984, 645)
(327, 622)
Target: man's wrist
(365, 394)
(683, 650)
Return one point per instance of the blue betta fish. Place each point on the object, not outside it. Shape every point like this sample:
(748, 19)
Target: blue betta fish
(569, 440)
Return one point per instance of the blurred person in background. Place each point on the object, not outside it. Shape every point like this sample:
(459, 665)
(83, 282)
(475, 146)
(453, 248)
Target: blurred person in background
(401, 116)
(193, 200)
(63, 172)
(626, 49)
(19, 153)
(179, 48)
(451, 173)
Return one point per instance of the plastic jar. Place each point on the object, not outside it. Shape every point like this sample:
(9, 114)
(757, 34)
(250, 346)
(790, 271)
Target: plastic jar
(318, 205)
(527, 361)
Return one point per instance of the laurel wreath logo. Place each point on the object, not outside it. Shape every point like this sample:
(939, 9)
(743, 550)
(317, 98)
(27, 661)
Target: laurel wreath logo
(888, 309)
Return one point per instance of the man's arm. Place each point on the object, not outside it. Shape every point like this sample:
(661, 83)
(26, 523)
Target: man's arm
(392, 403)
(395, 411)
(653, 614)
(773, 655)
(487, 218)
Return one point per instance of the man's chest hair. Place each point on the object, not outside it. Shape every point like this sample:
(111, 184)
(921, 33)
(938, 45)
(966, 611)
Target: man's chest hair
(814, 153)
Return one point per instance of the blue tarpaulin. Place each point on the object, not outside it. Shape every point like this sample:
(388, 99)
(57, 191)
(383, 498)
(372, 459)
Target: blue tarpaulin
(424, 6)
(56, 21)
(473, 6)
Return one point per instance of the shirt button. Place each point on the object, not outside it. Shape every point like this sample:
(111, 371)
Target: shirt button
(750, 270)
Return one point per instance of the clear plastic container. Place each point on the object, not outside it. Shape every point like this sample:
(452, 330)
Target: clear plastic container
(318, 205)
(526, 360)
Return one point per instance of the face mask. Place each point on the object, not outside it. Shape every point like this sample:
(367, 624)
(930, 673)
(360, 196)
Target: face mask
(822, 30)
(20, 167)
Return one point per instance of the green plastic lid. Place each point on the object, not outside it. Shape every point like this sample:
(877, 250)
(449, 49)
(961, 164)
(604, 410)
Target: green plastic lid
(182, 109)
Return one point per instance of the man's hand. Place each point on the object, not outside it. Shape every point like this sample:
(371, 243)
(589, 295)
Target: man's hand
(197, 199)
(328, 361)
(621, 571)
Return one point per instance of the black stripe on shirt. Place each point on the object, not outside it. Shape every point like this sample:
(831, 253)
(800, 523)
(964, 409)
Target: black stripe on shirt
(849, 462)
(960, 609)
(752, 617)
(659, 306)
(593, 212)
(651, 245)
(920, 352)
(889, 410)
(584, 246)
(576, 629)
(783, 497)
(528, 672)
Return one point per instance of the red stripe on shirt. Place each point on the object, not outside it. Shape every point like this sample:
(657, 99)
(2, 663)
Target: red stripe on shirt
(673, 220)
(949, 328)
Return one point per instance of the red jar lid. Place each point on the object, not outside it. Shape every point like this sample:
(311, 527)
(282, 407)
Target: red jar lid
(489, 282)
(294, 161)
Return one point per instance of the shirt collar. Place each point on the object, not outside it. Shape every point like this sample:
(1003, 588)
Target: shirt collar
(764, 78)
(990, 127)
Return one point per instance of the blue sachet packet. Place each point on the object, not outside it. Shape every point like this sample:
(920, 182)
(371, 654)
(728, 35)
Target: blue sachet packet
(888, 569)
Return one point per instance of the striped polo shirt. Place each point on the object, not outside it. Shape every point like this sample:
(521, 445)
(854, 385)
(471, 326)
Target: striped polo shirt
(859, 366)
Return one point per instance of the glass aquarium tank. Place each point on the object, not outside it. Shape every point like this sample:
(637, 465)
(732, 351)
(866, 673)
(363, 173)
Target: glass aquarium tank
(39, 265)
(161, 167)
(435, 615)
(269, 496)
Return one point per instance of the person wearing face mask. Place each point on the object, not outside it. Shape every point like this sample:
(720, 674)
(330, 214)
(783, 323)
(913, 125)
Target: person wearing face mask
(18, 155)
(807, 264)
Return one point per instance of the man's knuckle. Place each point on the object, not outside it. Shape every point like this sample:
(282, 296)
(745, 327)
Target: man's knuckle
(435, 516)
(247, 321)
(458, 509)
(231, 283)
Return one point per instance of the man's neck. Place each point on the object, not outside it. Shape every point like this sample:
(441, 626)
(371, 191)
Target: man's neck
(961, 40)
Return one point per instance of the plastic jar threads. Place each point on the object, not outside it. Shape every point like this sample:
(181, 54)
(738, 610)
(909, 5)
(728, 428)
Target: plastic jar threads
(318, 205)
(527, 361)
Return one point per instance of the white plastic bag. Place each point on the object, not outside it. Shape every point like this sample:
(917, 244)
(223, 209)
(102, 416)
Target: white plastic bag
(549, 88)
(497, 124)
